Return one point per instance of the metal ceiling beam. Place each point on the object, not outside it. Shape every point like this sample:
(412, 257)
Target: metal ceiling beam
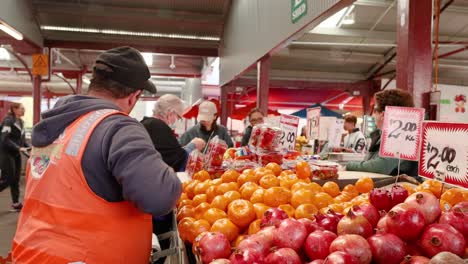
(276, 74)
(209, 52)
(378, 3)
(19, 14)
(355, 33)
(303, 84)
(115, 12)
(332, 55)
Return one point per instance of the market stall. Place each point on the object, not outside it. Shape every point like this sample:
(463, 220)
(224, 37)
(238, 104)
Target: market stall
(267, 203)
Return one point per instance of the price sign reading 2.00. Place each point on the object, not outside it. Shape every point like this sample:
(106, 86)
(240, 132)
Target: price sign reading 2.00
(444, 152)
(401, 132)
(289, 126)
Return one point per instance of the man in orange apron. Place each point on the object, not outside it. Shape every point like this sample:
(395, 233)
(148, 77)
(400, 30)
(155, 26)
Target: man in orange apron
(94, 179)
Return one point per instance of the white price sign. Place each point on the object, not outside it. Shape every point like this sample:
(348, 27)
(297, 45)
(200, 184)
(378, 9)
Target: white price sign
(334, 139)
(444, 152)
(401, 132)
(313, 122)
(288, 125)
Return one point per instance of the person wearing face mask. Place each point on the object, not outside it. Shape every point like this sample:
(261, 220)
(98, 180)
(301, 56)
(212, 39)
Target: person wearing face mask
(207, 128)
(255, 118)
(167, 110)
(373, 162)
(13, 144)
(94, 178)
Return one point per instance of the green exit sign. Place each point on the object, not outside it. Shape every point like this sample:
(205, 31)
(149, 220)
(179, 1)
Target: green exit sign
(298, 9)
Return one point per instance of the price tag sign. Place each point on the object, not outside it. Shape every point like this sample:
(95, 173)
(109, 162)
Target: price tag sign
(401, 133)
(313, 122)
(289, 126)
(444, 152)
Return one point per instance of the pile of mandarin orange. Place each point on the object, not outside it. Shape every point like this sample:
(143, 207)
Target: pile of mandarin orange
(235, 203)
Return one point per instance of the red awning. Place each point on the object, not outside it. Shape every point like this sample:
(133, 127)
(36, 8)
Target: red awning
(242, 112)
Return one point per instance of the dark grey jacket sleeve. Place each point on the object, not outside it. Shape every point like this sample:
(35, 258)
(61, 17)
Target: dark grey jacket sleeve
(146, 180)
(186, 137)
(226, 137)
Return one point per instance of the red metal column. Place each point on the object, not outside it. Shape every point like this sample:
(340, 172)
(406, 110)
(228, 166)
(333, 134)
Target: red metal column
(224, 104)
(414, 51)
(36, 99)
(263, 83)
(373, 87)
(79, 83)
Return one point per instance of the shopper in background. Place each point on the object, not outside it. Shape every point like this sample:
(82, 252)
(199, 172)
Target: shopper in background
(167, 110)
(354, 141)
(207, 128)
(255, 118)
(13, 143)
(94, 178)
(373, 162)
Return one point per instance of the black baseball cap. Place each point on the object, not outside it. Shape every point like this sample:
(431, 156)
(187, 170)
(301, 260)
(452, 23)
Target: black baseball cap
(127, 67)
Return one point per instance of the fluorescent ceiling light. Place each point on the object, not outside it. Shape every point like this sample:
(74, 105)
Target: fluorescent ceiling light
(128, 33)
(10, 31)
(4, 54)
(333, 21)
(148, 58)
(348, 19)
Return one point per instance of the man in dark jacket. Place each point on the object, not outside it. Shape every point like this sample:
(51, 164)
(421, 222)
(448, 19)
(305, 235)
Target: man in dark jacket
(119, 163)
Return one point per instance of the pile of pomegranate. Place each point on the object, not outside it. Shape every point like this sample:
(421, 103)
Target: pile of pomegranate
(394, 228)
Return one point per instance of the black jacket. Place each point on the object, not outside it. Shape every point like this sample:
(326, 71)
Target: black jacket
(166, 143)
(13, 135)
(246, 136)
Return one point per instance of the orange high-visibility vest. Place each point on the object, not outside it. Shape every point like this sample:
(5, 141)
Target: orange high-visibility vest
(64, 221)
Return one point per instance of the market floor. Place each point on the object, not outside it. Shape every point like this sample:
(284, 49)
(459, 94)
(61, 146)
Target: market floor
(7, 222)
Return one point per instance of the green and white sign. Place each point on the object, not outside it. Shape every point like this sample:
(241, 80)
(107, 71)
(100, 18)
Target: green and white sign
(298, 9)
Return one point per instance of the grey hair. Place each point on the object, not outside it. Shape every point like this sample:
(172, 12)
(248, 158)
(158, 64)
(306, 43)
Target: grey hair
(168, 103)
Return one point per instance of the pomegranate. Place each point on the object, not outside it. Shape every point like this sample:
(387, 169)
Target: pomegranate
(213, 245)
(462, 205)
(273, 217)
(437, 238)
(457, 219)
(317, 244)
(413, 249)
(381, 199)
(283, 256)
(369, 212)
(427, 203)
(328, 221)
(387, 248)
(399, 194)
(415, 260)
(340, 257)
(268, 232)
(317, 261)
(406, 222)
(290, 234)
(259, 242)
(355, 245)
(446, 257)
(310, 225)
(382, 226)
(247, 256)
(354, 224)
(220, 261)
